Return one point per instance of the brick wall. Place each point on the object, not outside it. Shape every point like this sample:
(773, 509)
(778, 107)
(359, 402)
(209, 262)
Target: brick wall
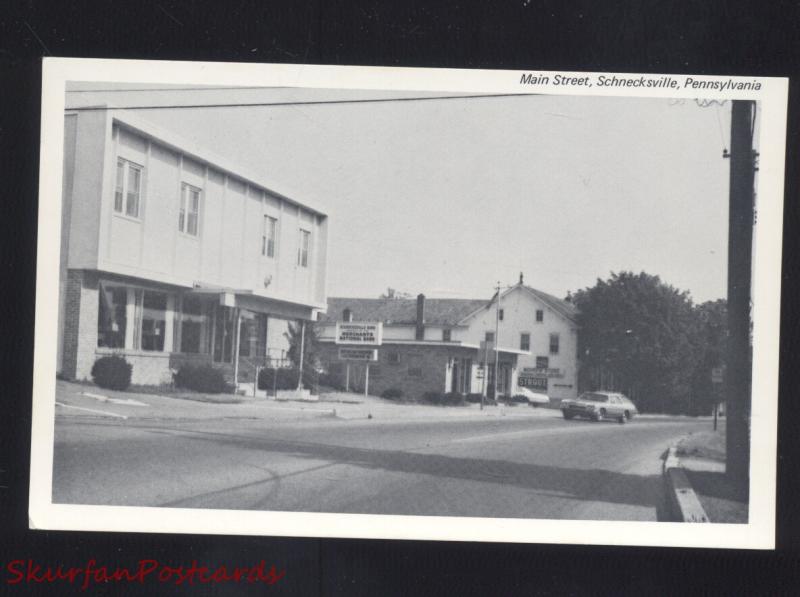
(80, 324)
(420, 369)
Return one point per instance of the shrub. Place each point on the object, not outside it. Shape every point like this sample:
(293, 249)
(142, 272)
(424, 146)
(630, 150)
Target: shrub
(476, 399)
(112, 372)
(331, 380)
(202, 378)
(392, 394)
(287, 379)
(440, 399)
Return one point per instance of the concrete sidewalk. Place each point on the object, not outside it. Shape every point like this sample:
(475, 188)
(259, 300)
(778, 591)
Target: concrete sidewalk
(699, 459)
(86, 400)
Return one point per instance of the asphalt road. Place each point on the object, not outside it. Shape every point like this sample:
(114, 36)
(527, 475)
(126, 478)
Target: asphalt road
(528, 468)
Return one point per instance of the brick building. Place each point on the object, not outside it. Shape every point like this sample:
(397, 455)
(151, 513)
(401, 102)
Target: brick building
(422, 349)
(171, 254)
(435, 344)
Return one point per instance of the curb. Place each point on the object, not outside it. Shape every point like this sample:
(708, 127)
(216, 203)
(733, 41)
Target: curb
(682, 500)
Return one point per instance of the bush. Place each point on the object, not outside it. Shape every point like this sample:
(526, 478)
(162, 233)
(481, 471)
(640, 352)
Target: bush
(476, 399)
(287, 379)
(202, 378)
(440, 399)
(392, 394)
(330, 380)
(112, 372)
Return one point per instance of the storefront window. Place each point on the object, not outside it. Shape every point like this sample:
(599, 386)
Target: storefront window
(253, 335)
(112, 320)
(154, 320)
(195, 331)
(223, 334)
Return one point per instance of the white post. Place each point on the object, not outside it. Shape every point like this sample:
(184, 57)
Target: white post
(169, 323)
(236, 349)
(347, 377)
(366, 380)
(497, 343)
(302, 350)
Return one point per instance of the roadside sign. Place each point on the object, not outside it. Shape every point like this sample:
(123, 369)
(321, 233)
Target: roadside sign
(542, 372)
(358, 354)
(363, 333)
(534, 383)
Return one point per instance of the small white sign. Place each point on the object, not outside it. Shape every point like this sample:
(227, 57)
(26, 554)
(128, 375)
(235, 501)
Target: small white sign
(363, 333)
(358, 354)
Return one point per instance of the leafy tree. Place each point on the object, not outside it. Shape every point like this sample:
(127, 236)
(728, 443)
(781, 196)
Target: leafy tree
(639, 335)
(310, 348)
(712, 330)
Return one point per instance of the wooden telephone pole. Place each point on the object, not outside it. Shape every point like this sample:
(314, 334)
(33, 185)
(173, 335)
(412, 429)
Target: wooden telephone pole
(738, 379)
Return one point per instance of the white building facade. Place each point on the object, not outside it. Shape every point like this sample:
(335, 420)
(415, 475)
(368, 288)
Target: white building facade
(170, 254)
(545, 330)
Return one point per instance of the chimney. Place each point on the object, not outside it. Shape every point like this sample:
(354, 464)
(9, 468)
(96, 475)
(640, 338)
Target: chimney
(420, 334)
(520, 278)
(347, 315)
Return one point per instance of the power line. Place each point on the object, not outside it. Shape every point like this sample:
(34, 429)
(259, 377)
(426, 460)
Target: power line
(201, 88)
(302, 103)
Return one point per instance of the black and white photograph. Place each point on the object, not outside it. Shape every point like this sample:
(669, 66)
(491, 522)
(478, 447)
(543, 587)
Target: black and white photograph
(408, 303)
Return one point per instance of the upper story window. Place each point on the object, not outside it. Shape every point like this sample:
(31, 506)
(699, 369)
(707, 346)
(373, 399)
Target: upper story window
(554, 341)
(128, 189)
(189, 216)
(539, 315)
(542, 362)
(269, 236)
(302, 250)
(501, 314)
(490, 336)
(525, 342)
(447, 335)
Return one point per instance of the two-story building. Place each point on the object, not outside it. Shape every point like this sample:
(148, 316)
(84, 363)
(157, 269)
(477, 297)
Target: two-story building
(171, 254)
(544, 328)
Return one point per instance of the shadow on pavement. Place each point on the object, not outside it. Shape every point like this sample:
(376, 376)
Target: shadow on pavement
(591, 485)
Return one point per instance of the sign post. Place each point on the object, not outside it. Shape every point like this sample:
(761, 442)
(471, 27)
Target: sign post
(357, 339)
(716, 380)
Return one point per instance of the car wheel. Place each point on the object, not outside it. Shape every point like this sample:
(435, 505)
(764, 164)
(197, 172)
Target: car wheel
(600, 415)
(623, 418)
(567, 416)
(628, 415)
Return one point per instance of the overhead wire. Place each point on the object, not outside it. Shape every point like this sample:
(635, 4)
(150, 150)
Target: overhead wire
(301, 103)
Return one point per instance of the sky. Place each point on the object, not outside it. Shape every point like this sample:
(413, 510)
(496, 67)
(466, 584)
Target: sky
(449, 196)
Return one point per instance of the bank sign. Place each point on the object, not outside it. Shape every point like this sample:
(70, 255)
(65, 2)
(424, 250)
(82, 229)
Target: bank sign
(358, 354)
(360, 333)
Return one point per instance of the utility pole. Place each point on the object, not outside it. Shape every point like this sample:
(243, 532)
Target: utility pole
(497, 342)
(738, 378)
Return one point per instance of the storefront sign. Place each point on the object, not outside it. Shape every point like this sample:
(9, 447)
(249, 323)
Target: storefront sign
(541, 372)
(533, 383)
(358, 354)
(363, 333)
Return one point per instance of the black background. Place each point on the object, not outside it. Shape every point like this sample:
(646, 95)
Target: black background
(648, 36)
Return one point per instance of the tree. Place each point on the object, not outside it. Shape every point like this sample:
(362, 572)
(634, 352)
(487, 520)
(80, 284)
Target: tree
(638, 335)
(712, 331)
(294, 334)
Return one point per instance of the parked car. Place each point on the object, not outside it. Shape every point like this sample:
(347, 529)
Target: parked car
(600, 405)
(533, 398)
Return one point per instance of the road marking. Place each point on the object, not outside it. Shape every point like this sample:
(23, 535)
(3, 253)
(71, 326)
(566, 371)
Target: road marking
(127, 401)
(91, 410)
